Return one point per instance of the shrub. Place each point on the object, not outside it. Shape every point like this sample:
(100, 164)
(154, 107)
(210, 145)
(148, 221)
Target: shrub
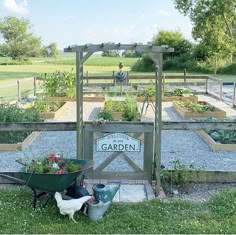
(12, 113)
(106, 115)
(228, 69)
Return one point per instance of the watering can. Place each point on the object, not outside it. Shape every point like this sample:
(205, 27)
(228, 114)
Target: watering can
(104, 192)
(96, 209)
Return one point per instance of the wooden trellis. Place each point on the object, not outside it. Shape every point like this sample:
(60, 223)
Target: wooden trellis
(83, 52)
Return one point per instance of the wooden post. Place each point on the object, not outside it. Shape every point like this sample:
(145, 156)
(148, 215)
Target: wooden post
(79, 96)
(207, 78)
(87, 77)
(163, 83)
(221, 90)
(34, 86)
(127, 78)
(18, 91)
(113, 76)
(184, 76)
(234, 93)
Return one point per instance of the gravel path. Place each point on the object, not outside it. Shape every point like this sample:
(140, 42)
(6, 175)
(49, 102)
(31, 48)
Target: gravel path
(185, 146)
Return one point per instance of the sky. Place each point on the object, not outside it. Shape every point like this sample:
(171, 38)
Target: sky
(70, 22)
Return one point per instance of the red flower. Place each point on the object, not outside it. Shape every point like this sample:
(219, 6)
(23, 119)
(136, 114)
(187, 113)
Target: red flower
(62, 164)
(52, 157)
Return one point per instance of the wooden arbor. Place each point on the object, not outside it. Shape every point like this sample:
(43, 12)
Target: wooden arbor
(156, 53)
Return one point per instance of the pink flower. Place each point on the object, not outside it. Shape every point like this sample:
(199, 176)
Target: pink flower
(52, 157)
(49, 166)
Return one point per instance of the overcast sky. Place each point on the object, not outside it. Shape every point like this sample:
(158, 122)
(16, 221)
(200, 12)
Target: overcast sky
(69, 22)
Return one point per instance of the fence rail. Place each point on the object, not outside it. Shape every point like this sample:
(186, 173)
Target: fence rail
(71, 126)
(213, 86)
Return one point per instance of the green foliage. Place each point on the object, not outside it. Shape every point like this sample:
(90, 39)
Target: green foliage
(20, 43)
(130, 109)
(59, 84)
(12, 113)
(213, 26)
(131, 54)
(173, 39)
(228, 69)
(221, 136)
(180, 59)
(145, 64)
(181, 91)
(45, 106)
(223, 204)
(199, 107)
(177, 177)
(50, 51)
(148, 91)
(106, 115)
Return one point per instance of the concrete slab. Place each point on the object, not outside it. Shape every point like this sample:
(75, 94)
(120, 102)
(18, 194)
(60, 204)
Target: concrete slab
(129, 192)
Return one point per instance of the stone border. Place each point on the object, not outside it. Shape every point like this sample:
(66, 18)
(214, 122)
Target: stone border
(216, 146)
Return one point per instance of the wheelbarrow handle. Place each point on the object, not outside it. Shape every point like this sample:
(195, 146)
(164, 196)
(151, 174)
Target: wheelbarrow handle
(13, 179)
(21, 162)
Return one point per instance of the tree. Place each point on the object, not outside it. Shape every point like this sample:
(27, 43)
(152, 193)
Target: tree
(20, 43)
(50, 51)
(173, 39)
(183, 49)
(213, 25)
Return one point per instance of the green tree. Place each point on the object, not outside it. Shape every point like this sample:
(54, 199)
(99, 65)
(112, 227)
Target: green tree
(173, 39)
(213, 25)
(53, 50)
(183, 49)
(20, 43)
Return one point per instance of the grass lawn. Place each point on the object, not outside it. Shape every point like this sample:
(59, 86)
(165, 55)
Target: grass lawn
(171, 216)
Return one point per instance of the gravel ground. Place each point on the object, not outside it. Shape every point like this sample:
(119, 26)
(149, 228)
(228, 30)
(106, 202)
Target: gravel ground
(176, 145)
(185, 146)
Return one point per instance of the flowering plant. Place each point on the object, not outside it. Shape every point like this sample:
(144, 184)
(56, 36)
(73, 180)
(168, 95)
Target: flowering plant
(51, 164)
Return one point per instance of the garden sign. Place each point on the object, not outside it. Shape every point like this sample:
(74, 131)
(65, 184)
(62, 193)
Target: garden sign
(117, 142)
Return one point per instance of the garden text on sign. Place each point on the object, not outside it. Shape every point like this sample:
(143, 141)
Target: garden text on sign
(117, 142)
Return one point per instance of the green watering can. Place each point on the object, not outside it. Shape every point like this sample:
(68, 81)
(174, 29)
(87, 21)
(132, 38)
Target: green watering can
(104, 192)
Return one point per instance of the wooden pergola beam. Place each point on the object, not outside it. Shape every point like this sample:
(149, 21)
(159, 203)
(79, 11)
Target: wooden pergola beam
(107, 47)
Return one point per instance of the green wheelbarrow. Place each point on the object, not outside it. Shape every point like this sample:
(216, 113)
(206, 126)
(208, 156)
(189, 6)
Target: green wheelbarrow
(42, 183)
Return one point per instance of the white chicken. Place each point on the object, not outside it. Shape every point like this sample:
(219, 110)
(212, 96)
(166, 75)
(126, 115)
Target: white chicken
(69, 207)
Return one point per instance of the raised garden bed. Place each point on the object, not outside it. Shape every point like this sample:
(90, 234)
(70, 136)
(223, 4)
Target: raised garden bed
(200, 109)
(17, 140)
(87, 98)
(121, 110)
(59, 99)
(213, 144)
(21, 145)
(168, 97)
(50, 110)
(93, 98)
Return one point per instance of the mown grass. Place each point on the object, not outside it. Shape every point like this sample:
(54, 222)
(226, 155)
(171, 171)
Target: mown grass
(149, 217)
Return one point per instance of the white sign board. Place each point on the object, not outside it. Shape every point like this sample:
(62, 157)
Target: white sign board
(117, 142)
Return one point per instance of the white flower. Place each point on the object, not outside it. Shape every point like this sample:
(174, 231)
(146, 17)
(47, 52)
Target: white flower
(57, 155)
(39, 163)
(55, 166)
